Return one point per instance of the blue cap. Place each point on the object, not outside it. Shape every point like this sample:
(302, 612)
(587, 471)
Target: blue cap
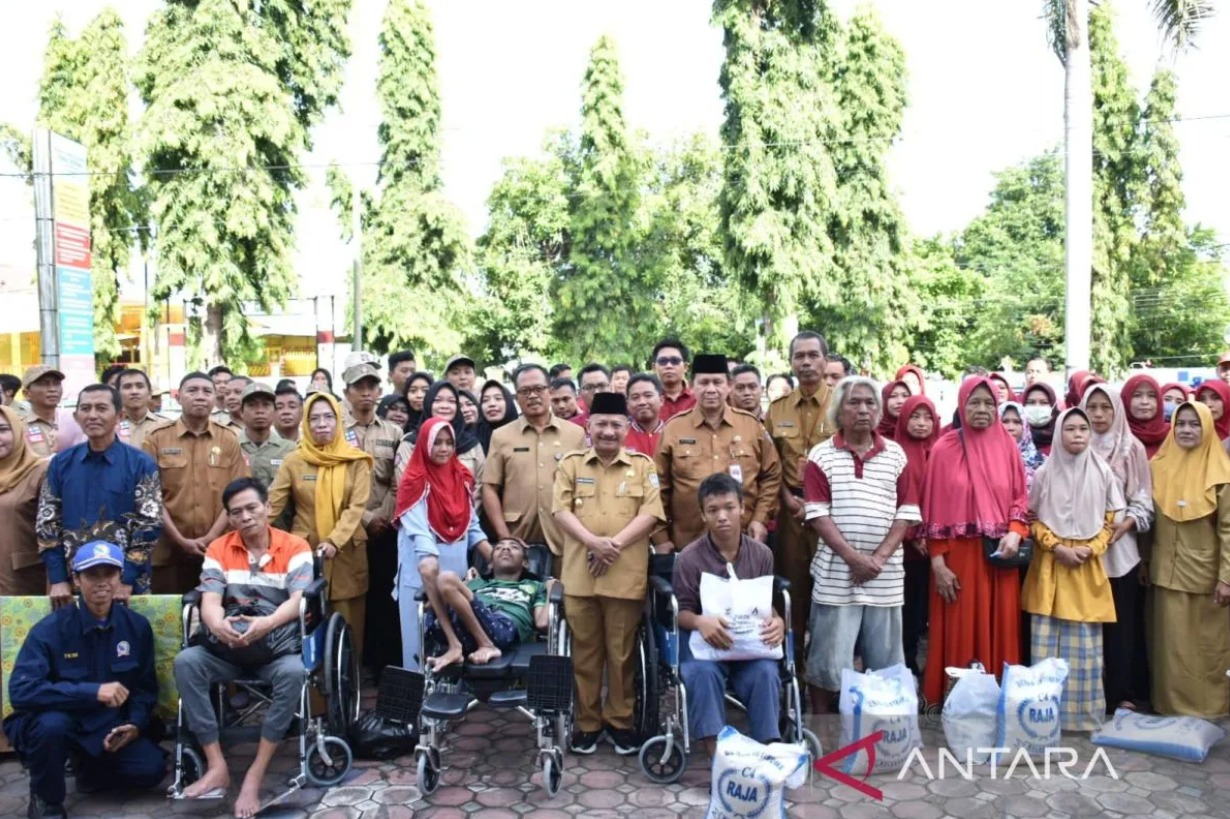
(98, 553)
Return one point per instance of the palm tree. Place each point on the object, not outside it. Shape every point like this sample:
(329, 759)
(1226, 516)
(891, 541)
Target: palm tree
(1068, 30)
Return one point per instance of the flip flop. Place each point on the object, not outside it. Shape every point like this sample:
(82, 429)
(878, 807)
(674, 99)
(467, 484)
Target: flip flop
(215, 793)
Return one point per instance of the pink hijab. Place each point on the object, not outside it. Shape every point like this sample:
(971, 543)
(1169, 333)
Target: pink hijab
(1072, 493)
(1123, 453)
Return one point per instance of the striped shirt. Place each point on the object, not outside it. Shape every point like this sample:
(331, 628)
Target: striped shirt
(864, 496)
(229, 570)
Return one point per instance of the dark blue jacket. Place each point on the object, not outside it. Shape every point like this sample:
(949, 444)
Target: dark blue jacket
(69, 654)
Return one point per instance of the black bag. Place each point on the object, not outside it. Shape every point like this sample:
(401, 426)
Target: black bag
(1024, 553)
(373, 736)
(281, 641)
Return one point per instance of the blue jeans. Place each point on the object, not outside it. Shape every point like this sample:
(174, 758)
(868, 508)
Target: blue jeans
(755, 683)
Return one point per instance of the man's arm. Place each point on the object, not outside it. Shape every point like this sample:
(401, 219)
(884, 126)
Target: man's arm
(31, 687)
(143, 695)
(49, 528)
(662, 461)
(494, 508)
(770, 480)
(146, 524)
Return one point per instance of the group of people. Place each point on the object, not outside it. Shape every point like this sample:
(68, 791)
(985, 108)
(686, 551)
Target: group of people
(888, 520)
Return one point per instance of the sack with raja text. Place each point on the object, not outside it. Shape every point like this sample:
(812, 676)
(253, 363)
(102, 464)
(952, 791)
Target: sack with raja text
(885, 700)
(750, 779)
(1184, 738)
(744, 604)
(1029, 703)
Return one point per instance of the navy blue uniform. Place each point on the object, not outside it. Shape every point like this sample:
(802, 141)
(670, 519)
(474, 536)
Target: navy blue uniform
(54, 693)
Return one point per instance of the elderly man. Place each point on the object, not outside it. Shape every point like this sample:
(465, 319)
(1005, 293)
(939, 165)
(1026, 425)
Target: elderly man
(607, 503)
(100, 489)
(84, 683)
(645, 406)
(138, 419)
(860, 503)
(714, 437)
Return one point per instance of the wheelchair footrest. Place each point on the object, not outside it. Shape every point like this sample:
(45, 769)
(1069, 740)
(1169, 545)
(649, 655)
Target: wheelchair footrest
(400, 696)
(511, 698)
(445, 706)
(549, 684)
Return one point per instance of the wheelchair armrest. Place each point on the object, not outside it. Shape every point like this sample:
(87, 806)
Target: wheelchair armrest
(661, 585)
(192, 598)
(556, 597)
(420, 596)
(780, 584)
(315, 589)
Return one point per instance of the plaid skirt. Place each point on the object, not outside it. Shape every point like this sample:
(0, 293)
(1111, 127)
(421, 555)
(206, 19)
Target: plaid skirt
(1084, 699)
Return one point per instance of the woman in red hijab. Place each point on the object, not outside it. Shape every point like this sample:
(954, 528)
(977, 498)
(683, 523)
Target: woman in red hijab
(893, 396)
(1078, 382)
(1003, 390)
(1173, 395)
(1142, 404)
(918, 428)
(914, 378)
(437, 528)
(1215, 394)
(975, 488)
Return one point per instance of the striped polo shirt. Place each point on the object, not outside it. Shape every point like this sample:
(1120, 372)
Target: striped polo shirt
(229, 570)
(863, 496)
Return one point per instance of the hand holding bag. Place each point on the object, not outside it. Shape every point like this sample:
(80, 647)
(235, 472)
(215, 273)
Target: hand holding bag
(745, 604)
(1024, 553)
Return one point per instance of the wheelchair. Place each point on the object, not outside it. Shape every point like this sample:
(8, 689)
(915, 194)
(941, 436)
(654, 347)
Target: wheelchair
(664, 754)
(535, 680)
(331, 672)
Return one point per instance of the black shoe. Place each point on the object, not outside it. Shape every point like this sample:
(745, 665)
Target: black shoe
(585, 742)
(39, 809)
(624, 740)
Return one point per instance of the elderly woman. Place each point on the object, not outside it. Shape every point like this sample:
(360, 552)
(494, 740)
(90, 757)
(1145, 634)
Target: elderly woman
(21, 476)
(1190, 569)
(974, 490)
(443, 401)
(326, 482)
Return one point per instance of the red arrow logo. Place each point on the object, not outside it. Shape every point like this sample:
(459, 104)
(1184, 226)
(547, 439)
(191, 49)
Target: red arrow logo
(824, 765)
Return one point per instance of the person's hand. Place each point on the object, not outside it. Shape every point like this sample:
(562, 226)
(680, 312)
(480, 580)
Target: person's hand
(112, 694)
(377, 526)
(1008, 544)
(326, 550)
(604, 550)
(773, 631)
(1065, 556)
(664, 548)
(120, 736)
(596, 567)
(1128, 524)
(195, 547)
(1221, 594)
(61, 594)
(713, 630)
(758, 531)
(1144, 573)
(795, 507)
(225, 632)
(123, 593)
(946, 583)
(862, 568)
(471, 574)
(920, 546)
(257, 628)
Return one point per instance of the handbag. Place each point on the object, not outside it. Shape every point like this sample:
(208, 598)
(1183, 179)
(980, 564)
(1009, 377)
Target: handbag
(1024, 553)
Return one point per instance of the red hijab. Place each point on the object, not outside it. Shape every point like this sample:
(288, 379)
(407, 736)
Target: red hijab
(1222, 424)
(975, 482)
(1149, 431)
(887, 427)
(447, 487)
(1183, 388)
(1003, 380)
(918, 371)
(1078, 382)
(916, 449)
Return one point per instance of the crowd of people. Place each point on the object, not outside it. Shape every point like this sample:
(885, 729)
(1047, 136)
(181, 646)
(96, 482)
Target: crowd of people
(1023, 527)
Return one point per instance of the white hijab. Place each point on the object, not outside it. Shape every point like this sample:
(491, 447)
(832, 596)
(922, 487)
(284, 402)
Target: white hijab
(1071, 494)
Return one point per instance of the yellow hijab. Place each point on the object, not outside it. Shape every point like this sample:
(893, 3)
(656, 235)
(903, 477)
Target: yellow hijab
(330, 461)
(21, 460)
(1185, 481)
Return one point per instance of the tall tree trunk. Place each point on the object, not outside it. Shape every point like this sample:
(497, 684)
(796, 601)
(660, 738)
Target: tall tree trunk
(1078, 166)
(211, 336)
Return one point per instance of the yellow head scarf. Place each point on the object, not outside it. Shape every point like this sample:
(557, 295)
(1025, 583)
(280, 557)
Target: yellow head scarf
(1185, 481)
(21, 460)
(330, 461)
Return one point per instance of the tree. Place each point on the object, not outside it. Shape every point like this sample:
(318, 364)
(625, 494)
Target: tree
(947, 316)
(83, 95)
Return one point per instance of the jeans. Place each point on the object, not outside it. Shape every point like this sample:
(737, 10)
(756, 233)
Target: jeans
(755, 683)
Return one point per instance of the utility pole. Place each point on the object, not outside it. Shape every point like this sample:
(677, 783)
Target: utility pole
(1078, 185)
(356, 232)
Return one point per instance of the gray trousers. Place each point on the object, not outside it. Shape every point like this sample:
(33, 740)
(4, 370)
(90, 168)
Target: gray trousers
(196, 672)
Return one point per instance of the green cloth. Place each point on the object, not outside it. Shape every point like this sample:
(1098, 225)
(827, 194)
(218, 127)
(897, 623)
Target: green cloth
(515, 599)
(265, 459)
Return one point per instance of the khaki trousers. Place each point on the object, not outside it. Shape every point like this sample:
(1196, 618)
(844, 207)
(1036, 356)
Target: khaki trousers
(604, 637)
(796, 546)
(180, 577)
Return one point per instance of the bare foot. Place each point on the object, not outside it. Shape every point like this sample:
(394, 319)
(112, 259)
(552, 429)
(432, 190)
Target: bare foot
(485, 654)
(212, 780)
(453, 655)
(249, 800)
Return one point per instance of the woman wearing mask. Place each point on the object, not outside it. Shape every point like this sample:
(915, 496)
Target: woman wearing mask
(1012, 415)
(1146, 418)
(1190, 569)
(443, 401)
(495, 403)
(1003, 390)
(416, 389)
(1040, 412)
(917, 432)
(974, 489)
(1076, 501)
(1123, 641)
(395, 409)
(21, 477)
(893, 395)
(326, 482)
(1172, 396)
(1216, 396)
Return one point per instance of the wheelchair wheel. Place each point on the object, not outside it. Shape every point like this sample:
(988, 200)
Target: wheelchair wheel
(552, 772)
(659, 770)
(327, 774)
(428, 775)
(341, 676)
(193, 766)
(647, 718)
(813, 744)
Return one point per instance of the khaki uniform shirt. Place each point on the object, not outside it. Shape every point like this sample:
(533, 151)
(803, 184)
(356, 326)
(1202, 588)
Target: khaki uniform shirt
(194, 469)
(41, 436)
(223, 419)
(134, 432)
(21, 567)
(521, 466)
(797, 423)
(378, 439)
(606, 498)
(295, 486)
(265, 459)
(691, 451)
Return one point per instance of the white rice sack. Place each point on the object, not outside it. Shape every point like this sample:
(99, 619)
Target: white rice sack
(1184, 738)
(885, 700)
(1029, 703)
(971, 714)
(750, 779)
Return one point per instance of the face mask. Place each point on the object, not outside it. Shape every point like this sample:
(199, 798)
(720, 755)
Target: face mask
(1037, 415)
(1168, 410)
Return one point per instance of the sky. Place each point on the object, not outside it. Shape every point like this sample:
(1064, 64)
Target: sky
(985, 92)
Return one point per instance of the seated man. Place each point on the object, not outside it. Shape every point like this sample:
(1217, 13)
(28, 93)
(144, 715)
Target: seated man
(756, 683)
(255, 567)
(491, 616)
(84, 683)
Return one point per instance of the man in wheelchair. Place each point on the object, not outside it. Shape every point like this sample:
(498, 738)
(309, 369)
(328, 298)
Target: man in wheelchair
(756, 683)
(489, 616)
(252, 568)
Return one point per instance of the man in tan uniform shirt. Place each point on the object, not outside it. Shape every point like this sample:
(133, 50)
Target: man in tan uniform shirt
(607, 503)
(797, 422)
(519, 476)
(196, 460)
(137, 419)
(714, 437)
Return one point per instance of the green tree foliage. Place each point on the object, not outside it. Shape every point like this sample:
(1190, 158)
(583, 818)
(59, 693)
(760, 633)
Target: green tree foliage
(946, 317)
(83, 95)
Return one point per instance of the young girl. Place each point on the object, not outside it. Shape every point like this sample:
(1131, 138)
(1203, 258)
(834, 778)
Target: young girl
(894, 396)
(1076, 501)
(917, 430)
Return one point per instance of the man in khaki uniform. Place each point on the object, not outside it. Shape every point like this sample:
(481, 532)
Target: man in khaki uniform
(46, 424)
(797, 422)
(714, 437)
(366, 430)
(263, 449)
(196, 460)
(519, 476)
(138, 419)
(606, 503)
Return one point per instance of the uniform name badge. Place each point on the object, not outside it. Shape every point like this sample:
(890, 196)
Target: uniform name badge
(736, 472)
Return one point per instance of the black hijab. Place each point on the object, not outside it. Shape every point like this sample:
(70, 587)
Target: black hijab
(466, 439)
(485, 427)
(382, 409)
(415, 415)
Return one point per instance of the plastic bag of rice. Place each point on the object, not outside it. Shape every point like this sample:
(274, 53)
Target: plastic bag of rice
(750, 779)
(885, 700)
(1029, 701)
(1185, 738)
(970, 714)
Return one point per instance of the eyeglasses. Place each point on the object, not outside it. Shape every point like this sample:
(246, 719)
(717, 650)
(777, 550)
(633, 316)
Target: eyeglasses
(668, 361)
(539, 389)
(598, 387)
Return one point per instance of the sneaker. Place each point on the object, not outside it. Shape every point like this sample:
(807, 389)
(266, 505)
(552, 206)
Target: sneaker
(585, 742)
(624, 740)
(40, 809)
